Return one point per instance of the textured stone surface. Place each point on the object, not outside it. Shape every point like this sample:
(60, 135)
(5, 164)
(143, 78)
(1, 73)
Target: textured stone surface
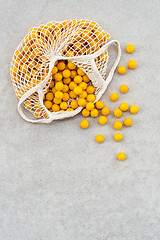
(56, 182)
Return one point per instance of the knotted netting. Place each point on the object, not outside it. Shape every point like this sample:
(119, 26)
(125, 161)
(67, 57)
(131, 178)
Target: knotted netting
(82, 42)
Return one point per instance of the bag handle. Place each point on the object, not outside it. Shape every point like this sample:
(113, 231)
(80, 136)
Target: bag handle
(110, 75)
(93, 55)
(43, 120)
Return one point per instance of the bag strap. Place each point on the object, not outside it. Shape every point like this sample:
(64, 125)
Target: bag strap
(20, 108)
(110, 75)
(43, 120)
(94, 55)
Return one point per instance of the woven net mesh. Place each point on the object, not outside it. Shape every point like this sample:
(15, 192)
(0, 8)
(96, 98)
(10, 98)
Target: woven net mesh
(30, 64)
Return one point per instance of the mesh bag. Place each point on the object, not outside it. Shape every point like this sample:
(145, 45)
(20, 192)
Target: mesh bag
(82, 42)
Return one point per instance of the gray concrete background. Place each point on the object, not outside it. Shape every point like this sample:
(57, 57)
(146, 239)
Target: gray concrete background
(56, 182)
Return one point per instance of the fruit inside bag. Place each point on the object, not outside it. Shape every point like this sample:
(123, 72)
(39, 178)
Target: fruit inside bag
(58, 65)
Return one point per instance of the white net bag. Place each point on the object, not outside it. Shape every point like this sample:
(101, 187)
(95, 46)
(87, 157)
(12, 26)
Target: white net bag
(81, 42)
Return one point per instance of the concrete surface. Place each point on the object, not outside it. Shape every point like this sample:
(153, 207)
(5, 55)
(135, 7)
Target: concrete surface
(56, 182)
